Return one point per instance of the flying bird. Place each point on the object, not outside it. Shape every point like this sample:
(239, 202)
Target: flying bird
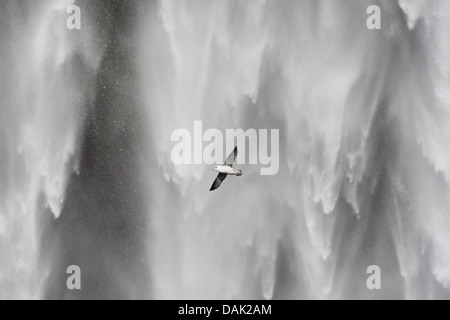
(226, 169)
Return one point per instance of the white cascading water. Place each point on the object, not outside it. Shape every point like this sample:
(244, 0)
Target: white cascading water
(42, 108)
(364, 126)
(364, 158)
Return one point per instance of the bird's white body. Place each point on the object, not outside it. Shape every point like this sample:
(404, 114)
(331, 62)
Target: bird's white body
(228, 170)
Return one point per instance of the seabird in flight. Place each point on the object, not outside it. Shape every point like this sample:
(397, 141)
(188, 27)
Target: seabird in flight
(226, 169)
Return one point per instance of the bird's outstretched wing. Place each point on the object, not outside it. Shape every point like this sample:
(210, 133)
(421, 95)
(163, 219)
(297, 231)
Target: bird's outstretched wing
(232, 157)
(218, 181)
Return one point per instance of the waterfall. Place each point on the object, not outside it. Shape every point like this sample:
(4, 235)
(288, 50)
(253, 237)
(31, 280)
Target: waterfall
(362, 117)
(43, 100)
(86, 176)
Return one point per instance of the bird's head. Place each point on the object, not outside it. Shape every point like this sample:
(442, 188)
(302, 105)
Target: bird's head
(215, 168)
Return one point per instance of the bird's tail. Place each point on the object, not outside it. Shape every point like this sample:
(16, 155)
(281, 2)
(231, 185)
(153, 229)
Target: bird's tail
(239, 172)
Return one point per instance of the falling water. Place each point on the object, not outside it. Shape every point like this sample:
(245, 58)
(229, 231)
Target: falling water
(43, 97)
(86, 176)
